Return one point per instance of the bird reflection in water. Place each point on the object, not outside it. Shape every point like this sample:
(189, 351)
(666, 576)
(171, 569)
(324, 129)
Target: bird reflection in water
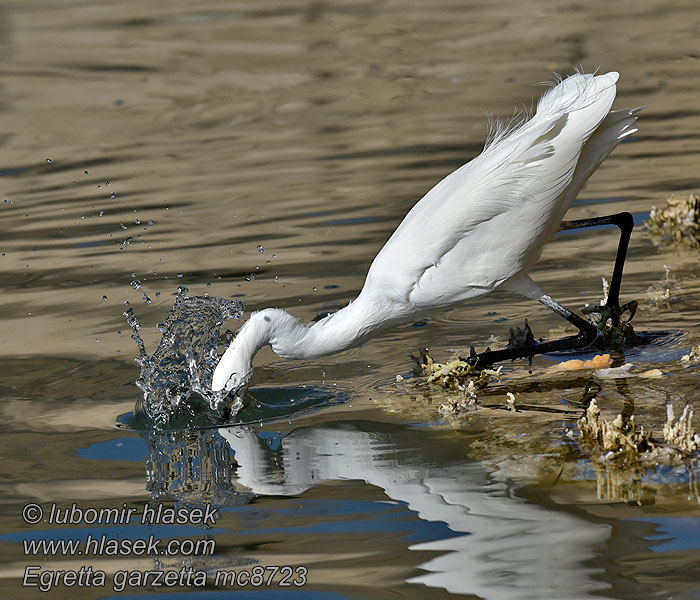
(491, 533)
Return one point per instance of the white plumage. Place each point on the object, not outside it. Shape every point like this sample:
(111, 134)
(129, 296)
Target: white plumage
(480, 228)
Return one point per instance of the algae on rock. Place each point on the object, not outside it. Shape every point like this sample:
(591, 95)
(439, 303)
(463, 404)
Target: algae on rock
(679, 222)
(456, 375)
(621, 439)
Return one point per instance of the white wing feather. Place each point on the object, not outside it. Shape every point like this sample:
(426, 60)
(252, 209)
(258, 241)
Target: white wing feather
(522, 183)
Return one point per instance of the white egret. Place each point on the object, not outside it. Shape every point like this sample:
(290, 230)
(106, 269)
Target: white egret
(479, 229)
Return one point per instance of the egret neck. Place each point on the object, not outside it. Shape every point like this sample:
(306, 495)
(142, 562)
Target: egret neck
(289, 338)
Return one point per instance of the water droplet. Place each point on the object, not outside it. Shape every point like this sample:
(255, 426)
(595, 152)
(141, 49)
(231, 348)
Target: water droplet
(274, 256)
(150, 223)
(261, 249)
(136, 284)
(180, 275)
(126, 303)
(157, 294)
(49, 161)
(122, 225)
(146, 299)
(137, 222)
(104, 298)
(208, 284)
(106, 182)
(112, 195)
(85, 172)
(315, 289)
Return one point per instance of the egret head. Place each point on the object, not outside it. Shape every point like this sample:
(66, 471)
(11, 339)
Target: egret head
(271, 326)
(236, 365)
(230, 378)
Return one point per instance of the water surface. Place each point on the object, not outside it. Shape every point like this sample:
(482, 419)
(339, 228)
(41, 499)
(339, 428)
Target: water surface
(265, 152)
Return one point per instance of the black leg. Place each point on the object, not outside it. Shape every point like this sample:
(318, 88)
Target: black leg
(625, 222)
(587, 332)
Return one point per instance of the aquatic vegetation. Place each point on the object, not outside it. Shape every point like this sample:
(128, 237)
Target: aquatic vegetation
(176, 381)
(614, 438)
(459, 375)
(620, 439)
(681, 433)
(621, 453)
(459, 404)
(456, 375)
(678, 223)
(525, 433)
(692, 357)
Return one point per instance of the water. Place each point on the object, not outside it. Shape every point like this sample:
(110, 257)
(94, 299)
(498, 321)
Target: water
(176, 381)
(166, 145)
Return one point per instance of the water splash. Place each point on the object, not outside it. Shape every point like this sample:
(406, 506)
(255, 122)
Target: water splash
(176, 381)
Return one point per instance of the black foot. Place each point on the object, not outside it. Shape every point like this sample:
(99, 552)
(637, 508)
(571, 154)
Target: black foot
(616, 330)
(520, 337)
